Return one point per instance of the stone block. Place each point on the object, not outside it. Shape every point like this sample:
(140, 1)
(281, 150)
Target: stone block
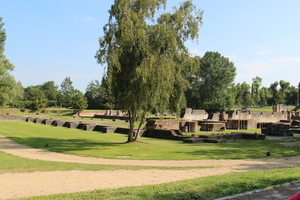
(59, 123)
(48, 122)
(73, 125)
(89, 127)
(38, 120)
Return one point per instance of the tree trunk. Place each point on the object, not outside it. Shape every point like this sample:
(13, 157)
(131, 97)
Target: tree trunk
(131, 127)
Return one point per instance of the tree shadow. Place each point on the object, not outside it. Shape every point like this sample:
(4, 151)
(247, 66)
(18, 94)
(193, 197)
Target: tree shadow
(244, 150)
(61, 145)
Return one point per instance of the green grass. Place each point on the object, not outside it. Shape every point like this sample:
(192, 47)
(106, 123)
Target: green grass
(206, 188)
(95, 144)
(111, 145)
(13, 164)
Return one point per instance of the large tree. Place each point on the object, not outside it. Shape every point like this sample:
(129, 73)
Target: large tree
(145, 58)
(8, 85)
(216, 74)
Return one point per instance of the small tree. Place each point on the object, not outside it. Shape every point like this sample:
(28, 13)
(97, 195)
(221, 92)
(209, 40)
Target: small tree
(256, 82)
(145, 61)
(79, 101)
(66, 92)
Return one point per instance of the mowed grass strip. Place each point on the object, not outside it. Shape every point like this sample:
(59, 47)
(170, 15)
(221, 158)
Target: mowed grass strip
(111, 145)
(14, 164)
(206, 188)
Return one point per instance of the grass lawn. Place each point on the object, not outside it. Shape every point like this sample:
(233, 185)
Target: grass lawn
(14, 164)
(206, 188)
(111, 145)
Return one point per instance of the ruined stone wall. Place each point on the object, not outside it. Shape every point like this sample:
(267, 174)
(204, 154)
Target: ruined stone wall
(162, 124)
(190, 114)
(90, 113)
(12, 118)
(259, 116)
(279, 108)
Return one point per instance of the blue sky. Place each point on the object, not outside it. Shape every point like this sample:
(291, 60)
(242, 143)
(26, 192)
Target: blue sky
(54, 39)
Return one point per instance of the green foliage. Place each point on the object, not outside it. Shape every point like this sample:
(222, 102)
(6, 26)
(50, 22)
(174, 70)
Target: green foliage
(213, 83)
(145, 62)
(256, 82)
(79, 101)
(38, 104)
(16, 164)
(32, 93)
(97, 95)
(8, 86)
(66, 92)
(243, 95)
(50, 90)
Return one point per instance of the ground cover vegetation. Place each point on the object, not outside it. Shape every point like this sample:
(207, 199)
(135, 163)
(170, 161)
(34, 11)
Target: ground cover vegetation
(206, 188)
(14, 164)
(111, 145)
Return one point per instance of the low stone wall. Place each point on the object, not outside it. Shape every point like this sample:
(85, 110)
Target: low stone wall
(89, 113)
(162, 133)
(111, 117)
(212, 125)
(59, 123)
(48, 122)
(12, 118)
(236, 136)
(38, 120)
(277, 129)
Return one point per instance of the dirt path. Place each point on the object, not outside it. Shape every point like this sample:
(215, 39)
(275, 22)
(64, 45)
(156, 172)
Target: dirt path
(21, 185)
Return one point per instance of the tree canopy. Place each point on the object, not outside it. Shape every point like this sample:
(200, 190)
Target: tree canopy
(145, 61)
(66, 92)
(214, 83)
(8, 85)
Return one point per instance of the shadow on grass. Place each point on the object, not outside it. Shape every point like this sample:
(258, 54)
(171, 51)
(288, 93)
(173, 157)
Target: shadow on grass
(62, 145)
(245, 149)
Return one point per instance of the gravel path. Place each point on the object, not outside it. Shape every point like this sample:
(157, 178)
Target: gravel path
(21, 185)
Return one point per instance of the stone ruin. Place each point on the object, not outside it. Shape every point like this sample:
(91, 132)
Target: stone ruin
(280, 122)
(238, 119)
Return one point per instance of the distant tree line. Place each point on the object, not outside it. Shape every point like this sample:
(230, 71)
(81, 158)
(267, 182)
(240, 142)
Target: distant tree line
(197, 82)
